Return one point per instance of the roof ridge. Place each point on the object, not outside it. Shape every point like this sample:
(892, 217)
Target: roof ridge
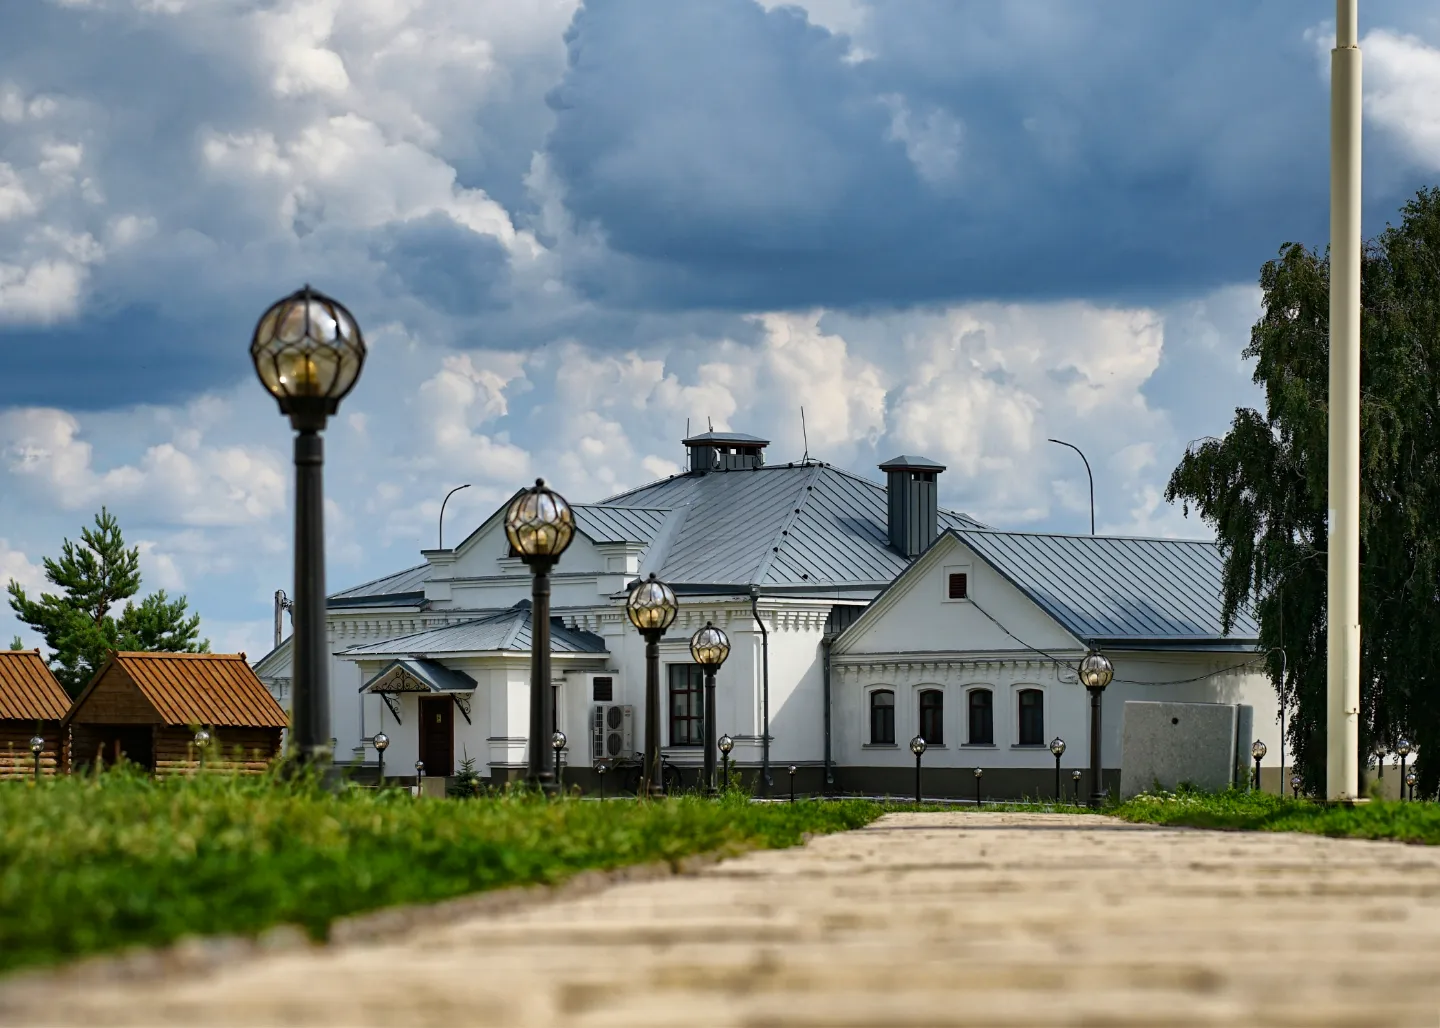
(785, 525)
(146, 654)
(1088, 535)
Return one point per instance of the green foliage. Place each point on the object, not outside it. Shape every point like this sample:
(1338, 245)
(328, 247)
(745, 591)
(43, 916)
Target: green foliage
(92, 863)
(1264, 488)
(78, 623)
(468, 783)
(1266, 812)
(16, 644)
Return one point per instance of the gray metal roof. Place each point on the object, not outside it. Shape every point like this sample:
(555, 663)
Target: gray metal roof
(618, 524)
(1117, 589)
(434, 676)
(905, 461)
(407, 582)
(805, 524)
(726, 437)
(499, 630)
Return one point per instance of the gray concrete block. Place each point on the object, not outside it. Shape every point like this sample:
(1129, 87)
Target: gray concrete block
(1244, 738)
(1181, 743)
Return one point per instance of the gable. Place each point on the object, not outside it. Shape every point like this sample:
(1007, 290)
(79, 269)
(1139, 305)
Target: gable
(113, 698)
(917, 615)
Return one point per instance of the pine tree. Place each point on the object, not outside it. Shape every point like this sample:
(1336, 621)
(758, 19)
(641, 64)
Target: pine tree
(78, 623)
(16, 644)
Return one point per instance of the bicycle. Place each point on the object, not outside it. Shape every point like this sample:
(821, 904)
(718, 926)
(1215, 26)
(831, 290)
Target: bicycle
(633, 770)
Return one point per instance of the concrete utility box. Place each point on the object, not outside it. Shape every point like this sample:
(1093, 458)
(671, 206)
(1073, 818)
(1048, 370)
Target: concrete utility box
(1206, 745)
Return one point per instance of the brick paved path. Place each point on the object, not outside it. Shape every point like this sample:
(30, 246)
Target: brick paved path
(920, 919)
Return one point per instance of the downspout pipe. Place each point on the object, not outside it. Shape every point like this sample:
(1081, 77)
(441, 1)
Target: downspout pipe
(765, 690)
(829, 766)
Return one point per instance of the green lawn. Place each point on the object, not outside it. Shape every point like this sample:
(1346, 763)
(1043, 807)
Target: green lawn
(99, 863)
(1266, 812)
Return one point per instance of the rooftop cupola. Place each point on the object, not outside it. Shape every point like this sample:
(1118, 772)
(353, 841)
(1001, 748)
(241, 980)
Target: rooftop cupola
(725, 451)
(911, 489)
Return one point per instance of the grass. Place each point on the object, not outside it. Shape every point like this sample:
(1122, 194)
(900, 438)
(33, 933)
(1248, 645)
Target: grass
(91, 864)
(1266, 812)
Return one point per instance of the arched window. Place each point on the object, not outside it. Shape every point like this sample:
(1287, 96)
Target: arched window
(932, 717)
(1032, 717)
(982, 718)
(882, 718)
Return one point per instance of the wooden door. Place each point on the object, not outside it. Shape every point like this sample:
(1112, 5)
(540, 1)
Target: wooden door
(437, 735)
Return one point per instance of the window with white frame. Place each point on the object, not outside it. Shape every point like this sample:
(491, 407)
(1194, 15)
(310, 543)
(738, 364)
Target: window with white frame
(980, 717)
(882, 717)
(932, 716)
(1032, 717)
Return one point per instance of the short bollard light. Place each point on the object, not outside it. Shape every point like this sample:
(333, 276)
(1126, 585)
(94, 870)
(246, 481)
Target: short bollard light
(1295, 786)
(917, 747)
(202, 743)
(979, 774)
(726, 744)
(1257, 750)
(1402, 749)
(792, 770)
(381, 743)
(557, 743)
(37, 747)
(419, 771)
(1410, 780)
(1075, 777)
(600, 770)
(1057, 749)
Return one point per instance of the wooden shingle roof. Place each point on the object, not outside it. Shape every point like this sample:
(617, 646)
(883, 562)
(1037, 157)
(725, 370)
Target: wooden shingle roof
(215, 689)
(28, 691)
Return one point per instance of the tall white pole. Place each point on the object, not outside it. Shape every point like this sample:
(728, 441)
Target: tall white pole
(1342, 769)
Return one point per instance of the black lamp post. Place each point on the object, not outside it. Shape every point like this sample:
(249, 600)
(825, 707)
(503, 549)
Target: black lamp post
(540, 525)
(202, 743)
(710, 646)
(419, 776)
(726, 744)
(1410, 780)
(440, 533)
(1096, 672)
(557, 743)
(1295, 786)
(1075, 777)
(651, 607)
(308, 351)
(382, 742)
(1057, 747)
(979, 774)
(37, 747)
(1257, 750)
(1402, 747)
(792, 770)
(600, 770)
(917, 747)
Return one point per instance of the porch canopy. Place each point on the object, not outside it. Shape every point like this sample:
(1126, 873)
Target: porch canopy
(421, 675)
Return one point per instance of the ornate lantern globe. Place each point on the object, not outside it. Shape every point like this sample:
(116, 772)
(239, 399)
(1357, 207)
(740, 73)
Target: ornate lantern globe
(381, 741)
(917, 745)
(1057, 747)
(308, 351)
(1258, 750)
(1096, 671)
(539, 524)
(651, 605)
(726, 744)
(709, 646)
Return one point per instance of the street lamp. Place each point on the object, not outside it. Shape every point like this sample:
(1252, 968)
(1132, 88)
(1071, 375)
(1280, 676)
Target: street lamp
(979, 774)
(792, 770)
(202, 742)
(308, 351)
(1057, 747)
(557, 743)
(726, 744)
(382, 742)
(1402, 747)
(600, 770)
(651, 607)
(419, 776)
(1295, 782)
(1088, 475)
(1410, 780)
(1095, 672)
(539, 525)
(37, 747)
(917, 747)
(440, 534)
(710, 646)
(1257, 750)
(1075, 777)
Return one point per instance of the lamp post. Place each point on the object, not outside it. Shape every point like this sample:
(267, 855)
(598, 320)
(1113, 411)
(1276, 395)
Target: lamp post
(308, 351)
(1295, 786)
(1257, 750)
(1088, 475)
(557, 743)
(202, 743)
(710, 646)
(979, 774)
(726, 744)
(1096, 672)
(1075, 777)
(419, 776)
(792, 769)
(37, 747)
(600, 770)
(540, 524)
(1057, 748)
(1410, 780)
(382, 742)
(917, 747)
(1402, 748)
(440, 534)
(651, 607)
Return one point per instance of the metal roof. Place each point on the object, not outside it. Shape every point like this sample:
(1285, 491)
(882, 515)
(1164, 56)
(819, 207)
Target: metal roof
(416, 674)
(215, 689)
(733, 438)
(498, 631)
(805, 524)
(618, 524)
(409, 581)
(28, 691)
(1118, 589)
(906, 462)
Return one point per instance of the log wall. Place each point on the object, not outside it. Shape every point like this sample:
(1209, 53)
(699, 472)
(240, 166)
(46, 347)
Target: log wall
(116, 701)
(236, 750)
(15, 758)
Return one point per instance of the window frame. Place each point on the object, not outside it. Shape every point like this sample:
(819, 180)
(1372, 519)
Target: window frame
(957, 569)
(870, 708)
(693, 721)
(1020, 693)
(939, 717)
(970, 694)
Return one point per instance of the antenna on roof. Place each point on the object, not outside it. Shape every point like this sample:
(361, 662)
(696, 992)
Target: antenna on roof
(709, 423)
(804, 435)
(684, 445)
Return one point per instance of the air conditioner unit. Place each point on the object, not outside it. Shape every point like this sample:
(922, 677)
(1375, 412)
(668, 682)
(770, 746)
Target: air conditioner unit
(612, 731)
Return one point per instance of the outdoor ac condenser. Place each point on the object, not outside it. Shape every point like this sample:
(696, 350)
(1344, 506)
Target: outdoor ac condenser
(612, 731)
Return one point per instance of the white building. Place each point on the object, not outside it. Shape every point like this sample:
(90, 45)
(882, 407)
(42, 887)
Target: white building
(864, 612)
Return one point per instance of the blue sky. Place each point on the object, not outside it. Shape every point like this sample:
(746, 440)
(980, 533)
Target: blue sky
(945, 227)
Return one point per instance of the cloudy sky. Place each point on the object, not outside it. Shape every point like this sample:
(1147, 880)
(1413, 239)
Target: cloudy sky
(946, 227)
